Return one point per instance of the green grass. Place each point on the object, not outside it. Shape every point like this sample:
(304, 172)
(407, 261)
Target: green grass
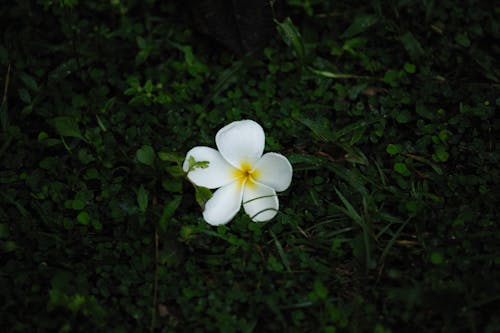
(388, 112)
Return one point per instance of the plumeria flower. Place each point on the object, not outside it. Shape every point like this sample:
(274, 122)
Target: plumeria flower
(240, 172)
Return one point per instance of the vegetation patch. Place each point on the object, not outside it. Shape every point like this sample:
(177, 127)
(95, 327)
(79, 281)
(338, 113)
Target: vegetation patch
(385, 110)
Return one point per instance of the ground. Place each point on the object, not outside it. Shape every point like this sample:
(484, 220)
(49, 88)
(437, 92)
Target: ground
(386, 111)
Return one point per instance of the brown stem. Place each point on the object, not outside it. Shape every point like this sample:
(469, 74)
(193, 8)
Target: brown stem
(155, 283)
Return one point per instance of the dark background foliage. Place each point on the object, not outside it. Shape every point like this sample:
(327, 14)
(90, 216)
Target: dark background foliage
(386, 110)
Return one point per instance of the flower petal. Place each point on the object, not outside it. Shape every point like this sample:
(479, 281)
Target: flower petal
(260, 202)
(274, 170)
(217, 174)
(224, 204)
(241, 142)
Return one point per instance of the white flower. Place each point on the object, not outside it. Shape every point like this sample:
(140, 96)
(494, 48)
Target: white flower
(241, 173)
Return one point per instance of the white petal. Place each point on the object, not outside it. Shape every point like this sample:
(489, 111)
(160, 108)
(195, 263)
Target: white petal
(217, 174)
(224, 204)
(274, 170)
(241, 142)
(260, 202)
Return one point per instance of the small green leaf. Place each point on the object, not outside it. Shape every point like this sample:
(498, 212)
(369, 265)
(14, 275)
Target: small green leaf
(83, 218)
(441, 154)
(402, 169)
(203, 194)
(281, 252)
(77, 204)
(172, 185)
(42, 136)
(403, 116)
(170, 157)
(410, 68)
(67, 126)
(146, 155)
(141, 42)
(319, 128)
(360, 24)
(437, 258)
(168, 211)
(391, 77)
(142, 198)
(332, 75)
(423, 111)
(148, 87)
(291, 36)
(85, 156)
(24, 95)
(29, 81)
(193, 164)
(392, 149)
(100, 123)
(412, 45)
(175, 171)
(443, 135)
(462, 40)
(319, 291)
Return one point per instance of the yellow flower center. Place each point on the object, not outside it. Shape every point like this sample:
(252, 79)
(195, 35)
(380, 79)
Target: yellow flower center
(246, 174)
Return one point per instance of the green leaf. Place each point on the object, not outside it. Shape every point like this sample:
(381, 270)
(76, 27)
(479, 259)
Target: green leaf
(319, 128)
(172, 185)
(85, 157)
(29, 81)
(67, 126)
(423, 111)
(437, 258)
(331, 75)
(142, 198)
(402, 169)
(349, 129)
(462, 40)
(353, 154)
(281, 252)
(170, 157)
(392, 149)
(146, 155)
(319, 290)
(24, 95)
(410, 68)
(391, 77)
(148, 86)
(202, 194)
(193, 164)
(175, 171)
(100, 123)
(83, 218)
(168, 211)
(225, 79)
(141, 42)
(292, 37)
(349, 210)
(63, 70)
(403, 116)
(360, 24)
(441, 154)
(77, 204)
(412, 45)
(142, 56)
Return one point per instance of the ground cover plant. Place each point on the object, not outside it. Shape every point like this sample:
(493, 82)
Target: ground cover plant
(387, 111)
